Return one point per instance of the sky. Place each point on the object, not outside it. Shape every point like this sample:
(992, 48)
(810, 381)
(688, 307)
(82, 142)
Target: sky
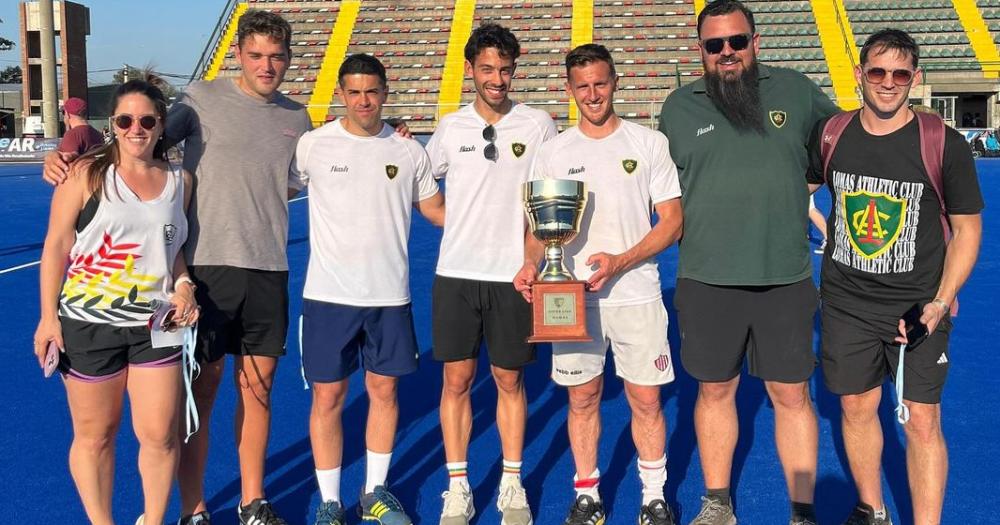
(171, 35)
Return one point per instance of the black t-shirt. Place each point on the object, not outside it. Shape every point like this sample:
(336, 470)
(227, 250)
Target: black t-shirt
(885, 248)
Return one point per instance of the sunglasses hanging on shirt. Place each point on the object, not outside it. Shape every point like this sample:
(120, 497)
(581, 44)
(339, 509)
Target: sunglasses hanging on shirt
(490, 135)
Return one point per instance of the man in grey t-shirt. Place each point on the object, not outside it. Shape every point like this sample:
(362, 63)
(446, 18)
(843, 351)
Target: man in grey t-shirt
(239, 136)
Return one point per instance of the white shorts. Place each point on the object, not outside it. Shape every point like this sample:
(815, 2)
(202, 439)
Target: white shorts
(638, 338)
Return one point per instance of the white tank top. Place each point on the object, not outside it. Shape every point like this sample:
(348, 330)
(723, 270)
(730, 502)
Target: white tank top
(122, 261)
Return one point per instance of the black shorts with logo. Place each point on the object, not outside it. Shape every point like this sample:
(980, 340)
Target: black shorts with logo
(772, 326)
(99, 351)
(859, 352)
(465, 312)
(243, 311)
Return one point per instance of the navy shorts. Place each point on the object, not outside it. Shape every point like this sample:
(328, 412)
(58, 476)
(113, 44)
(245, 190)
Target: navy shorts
(338, 338)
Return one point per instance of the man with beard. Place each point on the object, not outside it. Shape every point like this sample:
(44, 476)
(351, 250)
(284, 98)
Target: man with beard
(878, 267)
(485, 151)
(744, 280)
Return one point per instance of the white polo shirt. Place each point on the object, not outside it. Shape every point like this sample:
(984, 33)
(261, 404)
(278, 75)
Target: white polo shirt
(361, 195)
(484, 225)
(626, 174)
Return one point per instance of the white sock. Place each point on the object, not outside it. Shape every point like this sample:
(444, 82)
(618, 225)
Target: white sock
(511, 472)
(458, 475)
(653, 475)
(588, 486)
(329, 484)
(376, 470)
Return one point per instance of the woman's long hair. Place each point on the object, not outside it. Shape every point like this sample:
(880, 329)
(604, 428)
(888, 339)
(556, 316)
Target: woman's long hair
(108, 155)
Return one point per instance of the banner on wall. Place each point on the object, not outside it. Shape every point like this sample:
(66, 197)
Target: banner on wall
(26, 149)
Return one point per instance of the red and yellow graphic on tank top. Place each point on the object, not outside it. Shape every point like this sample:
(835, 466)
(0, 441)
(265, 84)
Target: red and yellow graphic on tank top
(105, 286)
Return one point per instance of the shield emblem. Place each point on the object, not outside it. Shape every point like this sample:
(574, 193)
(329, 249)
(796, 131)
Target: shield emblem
(518, 149)
(630, 165)
(778, 118)
(391, 171)
(874, 221)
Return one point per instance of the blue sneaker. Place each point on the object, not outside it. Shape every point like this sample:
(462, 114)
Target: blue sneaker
(330, 513)
(380, 506)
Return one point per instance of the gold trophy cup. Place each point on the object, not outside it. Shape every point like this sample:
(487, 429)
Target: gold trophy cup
(555, 209)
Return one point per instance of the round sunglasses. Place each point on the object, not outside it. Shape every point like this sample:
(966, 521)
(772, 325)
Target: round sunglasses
(124, 122)
(900, 77)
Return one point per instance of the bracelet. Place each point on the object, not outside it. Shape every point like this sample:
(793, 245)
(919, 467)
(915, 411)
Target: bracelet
(185, 279)
(945, 307)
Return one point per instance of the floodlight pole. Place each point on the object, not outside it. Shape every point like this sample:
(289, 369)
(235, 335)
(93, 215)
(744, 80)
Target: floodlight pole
(50, 96)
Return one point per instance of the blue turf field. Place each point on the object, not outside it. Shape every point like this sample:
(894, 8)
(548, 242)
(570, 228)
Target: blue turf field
(35, 486)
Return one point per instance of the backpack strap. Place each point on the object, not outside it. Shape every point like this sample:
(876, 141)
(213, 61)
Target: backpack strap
(832, 131)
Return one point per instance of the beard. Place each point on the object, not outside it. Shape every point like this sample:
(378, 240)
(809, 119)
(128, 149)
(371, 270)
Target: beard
(737, 97)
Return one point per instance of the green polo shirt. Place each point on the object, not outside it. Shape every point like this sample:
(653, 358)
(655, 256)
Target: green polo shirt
(745, 197)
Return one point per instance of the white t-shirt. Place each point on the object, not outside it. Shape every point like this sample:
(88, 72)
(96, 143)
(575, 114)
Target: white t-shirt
(626, 174)
(361, 195)
(484, 228)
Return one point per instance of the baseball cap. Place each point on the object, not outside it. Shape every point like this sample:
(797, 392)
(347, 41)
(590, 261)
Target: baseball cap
(75, 106)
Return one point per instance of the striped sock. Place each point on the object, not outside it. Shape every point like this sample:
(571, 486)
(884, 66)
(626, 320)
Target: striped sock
(511, 472)
(458, 475)
(588, 486)
(653, 475)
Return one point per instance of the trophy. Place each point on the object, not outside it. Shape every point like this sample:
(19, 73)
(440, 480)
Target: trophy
(555, 209)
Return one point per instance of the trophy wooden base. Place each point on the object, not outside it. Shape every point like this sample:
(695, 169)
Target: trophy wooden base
(558, 312)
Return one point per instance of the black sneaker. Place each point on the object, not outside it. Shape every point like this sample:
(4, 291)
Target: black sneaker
(585, 511)
(656, 513)
(200, 518)
(258, 512)
(863, 514)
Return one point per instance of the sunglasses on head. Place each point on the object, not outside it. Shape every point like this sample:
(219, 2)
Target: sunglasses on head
(490, 135)
(900, 77)
(714, 46)
(124, 122)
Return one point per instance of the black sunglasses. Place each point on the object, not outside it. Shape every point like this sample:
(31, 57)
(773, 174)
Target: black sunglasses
(714, 46)
(900, 77)
(124, 122)
(490, 135)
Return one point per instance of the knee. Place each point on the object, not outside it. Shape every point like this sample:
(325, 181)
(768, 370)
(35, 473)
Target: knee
(645, 402)
(509, 382)
(255, 382)
(161, 438)
(924, 426)
(789, 396)
(95, 443)
(457, 383)
(329, 398)
(382, 390)
(584, 399)
(714, 393)
(859, 409)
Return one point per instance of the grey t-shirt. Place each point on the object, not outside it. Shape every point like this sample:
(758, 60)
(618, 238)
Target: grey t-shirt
(239, 150)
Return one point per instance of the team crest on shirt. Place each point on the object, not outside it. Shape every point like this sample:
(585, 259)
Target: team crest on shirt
(630, 165)
(661, 362)
(391, 171)
(518, 149)
(778, 118)
(874, 221)
(169, 234)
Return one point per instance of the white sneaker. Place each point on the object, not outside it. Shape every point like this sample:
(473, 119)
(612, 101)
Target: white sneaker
(513, 505)
(458, 508)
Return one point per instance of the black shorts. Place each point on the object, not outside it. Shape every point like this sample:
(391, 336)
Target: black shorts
(859, 352)
(243, 311)
(465, 312)
(97, 352)
(771, 325)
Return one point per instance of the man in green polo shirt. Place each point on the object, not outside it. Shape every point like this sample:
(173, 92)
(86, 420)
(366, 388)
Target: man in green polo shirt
(744, 282)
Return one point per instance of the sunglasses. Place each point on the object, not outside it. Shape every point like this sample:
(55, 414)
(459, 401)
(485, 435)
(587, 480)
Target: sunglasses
(490, 135)
(714, 46)
(124, 122)
(900, 77)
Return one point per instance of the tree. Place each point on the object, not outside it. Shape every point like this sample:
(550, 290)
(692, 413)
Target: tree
(10, 75)
(6, 45)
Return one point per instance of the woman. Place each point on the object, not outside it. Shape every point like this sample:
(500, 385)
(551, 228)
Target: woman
(112, 257)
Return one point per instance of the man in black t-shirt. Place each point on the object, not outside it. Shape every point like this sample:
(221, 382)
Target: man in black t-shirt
(887, 251)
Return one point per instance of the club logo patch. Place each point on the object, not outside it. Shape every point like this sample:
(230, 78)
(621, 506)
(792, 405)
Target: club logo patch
(391, 171)
(874, 221)
(630, 165)
(169, 234)
(518, 149)
(661, 362)
(778, 118)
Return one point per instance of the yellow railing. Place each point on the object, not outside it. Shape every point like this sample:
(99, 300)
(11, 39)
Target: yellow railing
(582, 33)
(979, 36)
(336, 51)
(838, 46)
(225, 42)
(454, 63)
